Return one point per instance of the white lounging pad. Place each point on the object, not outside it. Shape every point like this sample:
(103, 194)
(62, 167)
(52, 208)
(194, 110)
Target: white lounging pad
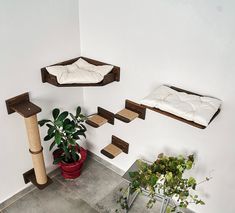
(199, 109)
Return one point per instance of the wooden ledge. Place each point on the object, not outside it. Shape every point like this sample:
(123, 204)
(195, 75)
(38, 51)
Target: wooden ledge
(116, 147)
(29, 176)
(103, 116)
(22, 105)
(132, 110)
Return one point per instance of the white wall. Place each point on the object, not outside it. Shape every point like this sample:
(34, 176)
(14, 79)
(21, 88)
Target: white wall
(189, 44)
(33, 34)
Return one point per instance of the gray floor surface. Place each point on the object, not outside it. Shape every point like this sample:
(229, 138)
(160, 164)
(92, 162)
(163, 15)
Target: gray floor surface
(96, 190)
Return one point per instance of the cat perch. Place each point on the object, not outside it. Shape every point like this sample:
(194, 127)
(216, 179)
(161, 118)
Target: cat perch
(189, 107)
(103, 116)
(132, 110)
(91, 70)
(22, 105)
(116, 147)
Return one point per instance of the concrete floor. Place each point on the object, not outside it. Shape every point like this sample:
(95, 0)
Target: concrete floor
(96, 190)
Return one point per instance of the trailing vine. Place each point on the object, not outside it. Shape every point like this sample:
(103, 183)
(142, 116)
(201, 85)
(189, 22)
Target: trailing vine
(165, 176)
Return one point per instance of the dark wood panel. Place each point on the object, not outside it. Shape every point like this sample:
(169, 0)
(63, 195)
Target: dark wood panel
(124, 146)
(22, 105)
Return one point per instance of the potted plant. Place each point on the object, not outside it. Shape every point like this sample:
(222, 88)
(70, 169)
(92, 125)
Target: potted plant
(165, 176)
(65, 130)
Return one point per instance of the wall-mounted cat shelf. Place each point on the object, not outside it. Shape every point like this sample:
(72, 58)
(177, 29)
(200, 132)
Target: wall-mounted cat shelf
(132, 110)
(116, 147)
(22, 105)
(192, 123)
(113, 75)
(103, 116)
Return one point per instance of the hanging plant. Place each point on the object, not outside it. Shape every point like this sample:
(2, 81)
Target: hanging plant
(165, 176)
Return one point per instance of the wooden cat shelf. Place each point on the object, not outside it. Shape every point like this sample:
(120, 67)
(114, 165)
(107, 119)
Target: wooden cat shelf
(132, 110)
(103, 116)
(116, 147)
(179, 118)
(112, 76)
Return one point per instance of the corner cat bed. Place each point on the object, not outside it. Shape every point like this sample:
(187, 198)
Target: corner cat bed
(103, 116)
(132, 110)
(189, 107)
(80, 71)
(115, 148)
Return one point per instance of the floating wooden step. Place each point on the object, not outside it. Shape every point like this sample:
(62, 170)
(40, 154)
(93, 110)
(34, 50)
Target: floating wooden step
(114, 75)
(132, 110)
(103, 116)
(116, 147)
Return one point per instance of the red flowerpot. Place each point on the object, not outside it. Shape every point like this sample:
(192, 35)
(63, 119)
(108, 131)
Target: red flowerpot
(72, 170)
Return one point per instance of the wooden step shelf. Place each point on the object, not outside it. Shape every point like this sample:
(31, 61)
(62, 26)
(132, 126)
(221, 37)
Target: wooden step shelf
(116, 147)
(22, 105)
(131, 111)
(114, 75)
(103, 116)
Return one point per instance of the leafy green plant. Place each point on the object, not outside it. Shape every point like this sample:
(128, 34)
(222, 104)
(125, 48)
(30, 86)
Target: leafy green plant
(164, 176)
(65, 131)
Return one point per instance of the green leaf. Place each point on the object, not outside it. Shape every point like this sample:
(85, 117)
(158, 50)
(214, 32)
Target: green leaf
(80, 133)
(58, 123)
(66, 122)
(189, 164)
(68, 126)
(78, 111)
(62, 116)
(57, 137)
(168, 176)
(74, 154)
(55, 113)
(83, 127)
(52, 145)
(201, 202)
(191, 181)
(153, 180)
(57, 160)
(76, 135)
(42, 122)
(72, 141)
(51, 130)
(133, 174)
(180, 168)
(49, 137)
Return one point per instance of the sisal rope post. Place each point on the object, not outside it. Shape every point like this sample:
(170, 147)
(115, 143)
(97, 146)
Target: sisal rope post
(35, 149)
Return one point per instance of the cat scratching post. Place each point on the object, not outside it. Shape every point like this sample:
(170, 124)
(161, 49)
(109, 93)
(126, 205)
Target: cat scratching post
(22, 105)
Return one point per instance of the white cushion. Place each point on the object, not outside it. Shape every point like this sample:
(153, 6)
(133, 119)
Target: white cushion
(190, 107)
(101, 69)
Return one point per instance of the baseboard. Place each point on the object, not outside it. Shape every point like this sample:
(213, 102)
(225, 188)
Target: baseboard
(106, 163)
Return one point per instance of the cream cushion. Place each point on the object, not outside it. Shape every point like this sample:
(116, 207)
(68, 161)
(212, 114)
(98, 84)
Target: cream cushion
(190, 107)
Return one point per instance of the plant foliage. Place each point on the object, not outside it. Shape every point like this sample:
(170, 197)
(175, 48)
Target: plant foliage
(164, 176)
(65, 130)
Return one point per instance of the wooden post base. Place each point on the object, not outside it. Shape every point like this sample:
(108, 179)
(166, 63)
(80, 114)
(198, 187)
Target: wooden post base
(29, 176)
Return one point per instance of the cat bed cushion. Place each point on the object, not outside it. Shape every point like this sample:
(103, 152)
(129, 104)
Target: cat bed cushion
(79, 72)
(199, 109)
